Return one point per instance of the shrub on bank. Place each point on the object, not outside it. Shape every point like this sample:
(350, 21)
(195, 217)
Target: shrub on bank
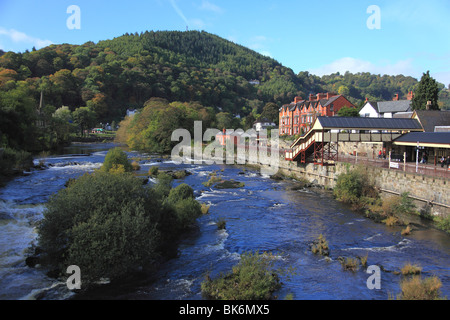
(355, 188)
(252, 279)
(12, 161)
(395, 205)
(443, 223)
(153, 171)
(417, 288)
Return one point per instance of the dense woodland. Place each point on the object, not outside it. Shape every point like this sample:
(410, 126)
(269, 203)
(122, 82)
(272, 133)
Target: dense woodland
(47, 94)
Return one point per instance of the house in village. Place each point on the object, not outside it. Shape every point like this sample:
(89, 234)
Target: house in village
(131, 112)
(387, 109)
(298, 116)
(263, 124)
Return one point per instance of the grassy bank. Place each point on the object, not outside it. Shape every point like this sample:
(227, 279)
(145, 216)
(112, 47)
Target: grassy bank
(108, 136)
(12, 163)
(356, 188)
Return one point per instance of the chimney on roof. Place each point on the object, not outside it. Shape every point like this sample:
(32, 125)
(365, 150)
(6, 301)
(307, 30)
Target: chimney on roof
(410, 95)
(395, 97)
(330, 94)
(428, 105)
(297, 99)
(311, 97)
(320, 96)
(367, 100)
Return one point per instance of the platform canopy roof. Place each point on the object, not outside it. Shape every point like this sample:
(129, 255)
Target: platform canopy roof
(355, 123)
(425, 139)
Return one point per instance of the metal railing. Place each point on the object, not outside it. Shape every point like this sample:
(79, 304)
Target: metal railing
(409, 167)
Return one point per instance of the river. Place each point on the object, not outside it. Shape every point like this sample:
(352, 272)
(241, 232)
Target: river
(264, 215)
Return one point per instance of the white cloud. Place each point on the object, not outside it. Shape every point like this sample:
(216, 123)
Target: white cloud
(20, 37)
(353, 65)
(208, 6)
(266, 53)
(232, 38)
(196, 23)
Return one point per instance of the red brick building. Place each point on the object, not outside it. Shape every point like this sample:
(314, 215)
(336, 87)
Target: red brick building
(298, 116)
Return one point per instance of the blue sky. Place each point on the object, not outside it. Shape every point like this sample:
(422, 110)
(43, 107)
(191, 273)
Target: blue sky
(317, 36)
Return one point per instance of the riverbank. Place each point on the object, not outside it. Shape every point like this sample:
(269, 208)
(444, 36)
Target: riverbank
(99, 138)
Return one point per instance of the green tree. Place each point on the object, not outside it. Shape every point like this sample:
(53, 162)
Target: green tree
(343, 90)
(348, 112)
(248, 121)
(107, 224)
(62, 124)
(427, 90)
(18, 118)
(98, 105)
(116, 158)
(187, 209)
(224, 121)
(182, 192)
(271, 112)
(85, 118)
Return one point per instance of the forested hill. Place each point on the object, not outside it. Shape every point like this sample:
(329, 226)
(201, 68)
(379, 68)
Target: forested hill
(114, 75)
(122, 73)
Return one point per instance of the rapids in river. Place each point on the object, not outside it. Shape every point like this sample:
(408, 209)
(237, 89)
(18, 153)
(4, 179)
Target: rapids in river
(264, 215)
